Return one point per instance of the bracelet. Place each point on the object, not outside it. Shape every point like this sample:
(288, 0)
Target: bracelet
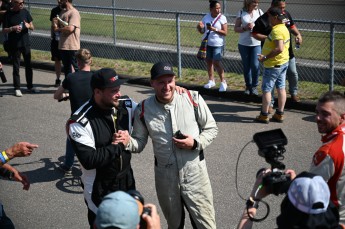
(2, 159)
(5, 156)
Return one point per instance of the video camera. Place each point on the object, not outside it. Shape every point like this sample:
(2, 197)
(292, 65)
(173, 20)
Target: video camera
(271, 146)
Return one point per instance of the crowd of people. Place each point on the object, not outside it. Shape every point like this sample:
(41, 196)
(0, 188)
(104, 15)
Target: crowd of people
(106, 127)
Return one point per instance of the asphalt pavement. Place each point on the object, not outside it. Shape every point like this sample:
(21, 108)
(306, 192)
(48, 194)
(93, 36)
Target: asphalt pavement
(56, 201)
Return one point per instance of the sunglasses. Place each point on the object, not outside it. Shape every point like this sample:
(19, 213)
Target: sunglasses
(20, 3)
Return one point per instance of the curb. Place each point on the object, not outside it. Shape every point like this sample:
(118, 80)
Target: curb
(233, 95)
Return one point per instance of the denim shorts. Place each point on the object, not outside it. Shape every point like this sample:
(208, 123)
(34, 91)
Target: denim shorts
(274, 77)
(214, 53)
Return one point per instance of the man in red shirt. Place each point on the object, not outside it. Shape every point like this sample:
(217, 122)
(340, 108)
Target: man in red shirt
(328, 161)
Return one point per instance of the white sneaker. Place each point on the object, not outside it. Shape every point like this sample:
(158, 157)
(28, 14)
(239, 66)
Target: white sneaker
(223, 86)
(18, 93)
(210, 84)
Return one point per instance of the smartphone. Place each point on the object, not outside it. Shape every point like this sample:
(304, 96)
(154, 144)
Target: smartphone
(179, 135)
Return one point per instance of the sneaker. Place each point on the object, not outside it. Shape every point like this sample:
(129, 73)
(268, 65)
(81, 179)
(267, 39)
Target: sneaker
(254, 91)
(294, 98)
(262, 118)
(278, 117)
(270, 110)
(18, 93)
(33, 90)
(247, 91)
(223, 86)
(210, 84)
(65, 169)
(57, 83)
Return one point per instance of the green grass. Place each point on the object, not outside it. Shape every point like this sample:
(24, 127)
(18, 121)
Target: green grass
(316, 45)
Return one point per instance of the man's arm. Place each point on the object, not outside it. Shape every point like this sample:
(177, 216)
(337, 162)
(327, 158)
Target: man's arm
(20, 149)
(279, 47)
(13, 174)
(297, 34)
(322, 165)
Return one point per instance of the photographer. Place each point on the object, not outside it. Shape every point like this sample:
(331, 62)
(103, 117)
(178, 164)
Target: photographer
(306, 205)
(123, 211)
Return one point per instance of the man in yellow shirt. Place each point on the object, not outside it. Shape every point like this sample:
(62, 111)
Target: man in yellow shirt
(275, 57)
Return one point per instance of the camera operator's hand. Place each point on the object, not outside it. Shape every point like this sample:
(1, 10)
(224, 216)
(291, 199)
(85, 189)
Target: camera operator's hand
(20, 149)
(153, 221)
(291, 172)
(186, 143)
(262, 193)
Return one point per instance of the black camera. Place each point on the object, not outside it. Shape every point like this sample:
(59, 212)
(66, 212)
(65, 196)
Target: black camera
(140, 200)
(271, 146)
(3, 76)
(208, 24)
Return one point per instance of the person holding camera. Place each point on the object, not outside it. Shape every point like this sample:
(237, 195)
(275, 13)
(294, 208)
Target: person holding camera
(123, 211)
(306, 204)
(181, 126)
(328, 161)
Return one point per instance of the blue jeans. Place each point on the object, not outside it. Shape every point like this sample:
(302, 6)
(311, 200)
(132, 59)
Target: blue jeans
(69, 155)
(251, 64)
(292, 77)
(214, 53)
(274, 77)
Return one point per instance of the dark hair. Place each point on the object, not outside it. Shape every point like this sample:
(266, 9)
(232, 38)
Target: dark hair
(275, 2)
(334, 96)
(213, 3)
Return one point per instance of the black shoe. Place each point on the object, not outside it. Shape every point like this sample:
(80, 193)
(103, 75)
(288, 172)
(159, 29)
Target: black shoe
(57, 83)
(65, 169)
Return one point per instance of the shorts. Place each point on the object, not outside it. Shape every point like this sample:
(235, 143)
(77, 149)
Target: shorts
(214, 53)
(275, 76)
(54, 50)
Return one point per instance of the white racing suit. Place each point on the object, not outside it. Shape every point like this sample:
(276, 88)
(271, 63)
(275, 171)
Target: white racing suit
(181, 176)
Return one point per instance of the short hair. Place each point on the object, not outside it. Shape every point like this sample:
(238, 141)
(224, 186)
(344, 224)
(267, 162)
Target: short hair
(334, 96)
(84, 56)
(275, 2)
(213, 3)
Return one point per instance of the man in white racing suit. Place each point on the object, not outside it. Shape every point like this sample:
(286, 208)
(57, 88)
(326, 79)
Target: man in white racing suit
(181, 126)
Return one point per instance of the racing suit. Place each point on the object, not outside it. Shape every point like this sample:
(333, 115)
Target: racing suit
(105, 167)
(181, 175)
(328, 162)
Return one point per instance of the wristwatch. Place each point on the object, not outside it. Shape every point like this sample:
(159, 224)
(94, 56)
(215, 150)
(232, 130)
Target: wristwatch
(217, 30)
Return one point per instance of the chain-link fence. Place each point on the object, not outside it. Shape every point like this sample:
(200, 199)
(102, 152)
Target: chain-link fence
(152, 35)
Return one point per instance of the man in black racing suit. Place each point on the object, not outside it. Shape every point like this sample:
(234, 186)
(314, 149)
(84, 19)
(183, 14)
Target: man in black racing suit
(105, 165)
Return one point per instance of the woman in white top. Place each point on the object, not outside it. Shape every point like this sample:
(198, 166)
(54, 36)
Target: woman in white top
(248, 46)
(216, 24)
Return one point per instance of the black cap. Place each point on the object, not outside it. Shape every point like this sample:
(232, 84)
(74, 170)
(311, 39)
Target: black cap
(277, 12)
(105, 78)
(161, 69)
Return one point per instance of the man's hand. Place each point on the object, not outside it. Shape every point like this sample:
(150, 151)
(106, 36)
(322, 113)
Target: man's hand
(180, 90)
(23, 179)
(20, 149)
(186, 143)
(153, 221)
(122, 136)
(261, 57)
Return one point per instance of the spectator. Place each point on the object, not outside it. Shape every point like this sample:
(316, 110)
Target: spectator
(120, 210)
(20, 149)
(275, 56)
(218, 29)
(79, 92)
(262, 29)
(306, 204)
(248, 46)
(54, 44)
(181, 176)
(105, 165)
(5, 5)
(17, 23)
(69, 30)
(328, 161)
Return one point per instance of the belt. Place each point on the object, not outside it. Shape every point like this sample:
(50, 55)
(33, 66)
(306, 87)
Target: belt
(201, 157)
(277, 66)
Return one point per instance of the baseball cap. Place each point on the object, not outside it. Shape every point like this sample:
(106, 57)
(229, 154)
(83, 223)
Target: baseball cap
(277, 12)
(118, 209)
(309, 193)
(161, 69)
(105, 78)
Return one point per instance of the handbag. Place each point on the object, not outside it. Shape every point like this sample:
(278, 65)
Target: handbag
(201, 55)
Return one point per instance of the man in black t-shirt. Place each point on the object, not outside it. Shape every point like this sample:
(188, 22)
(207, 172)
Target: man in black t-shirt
(54, 44)
(17, 23)
(262, 29)
(79, 92)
